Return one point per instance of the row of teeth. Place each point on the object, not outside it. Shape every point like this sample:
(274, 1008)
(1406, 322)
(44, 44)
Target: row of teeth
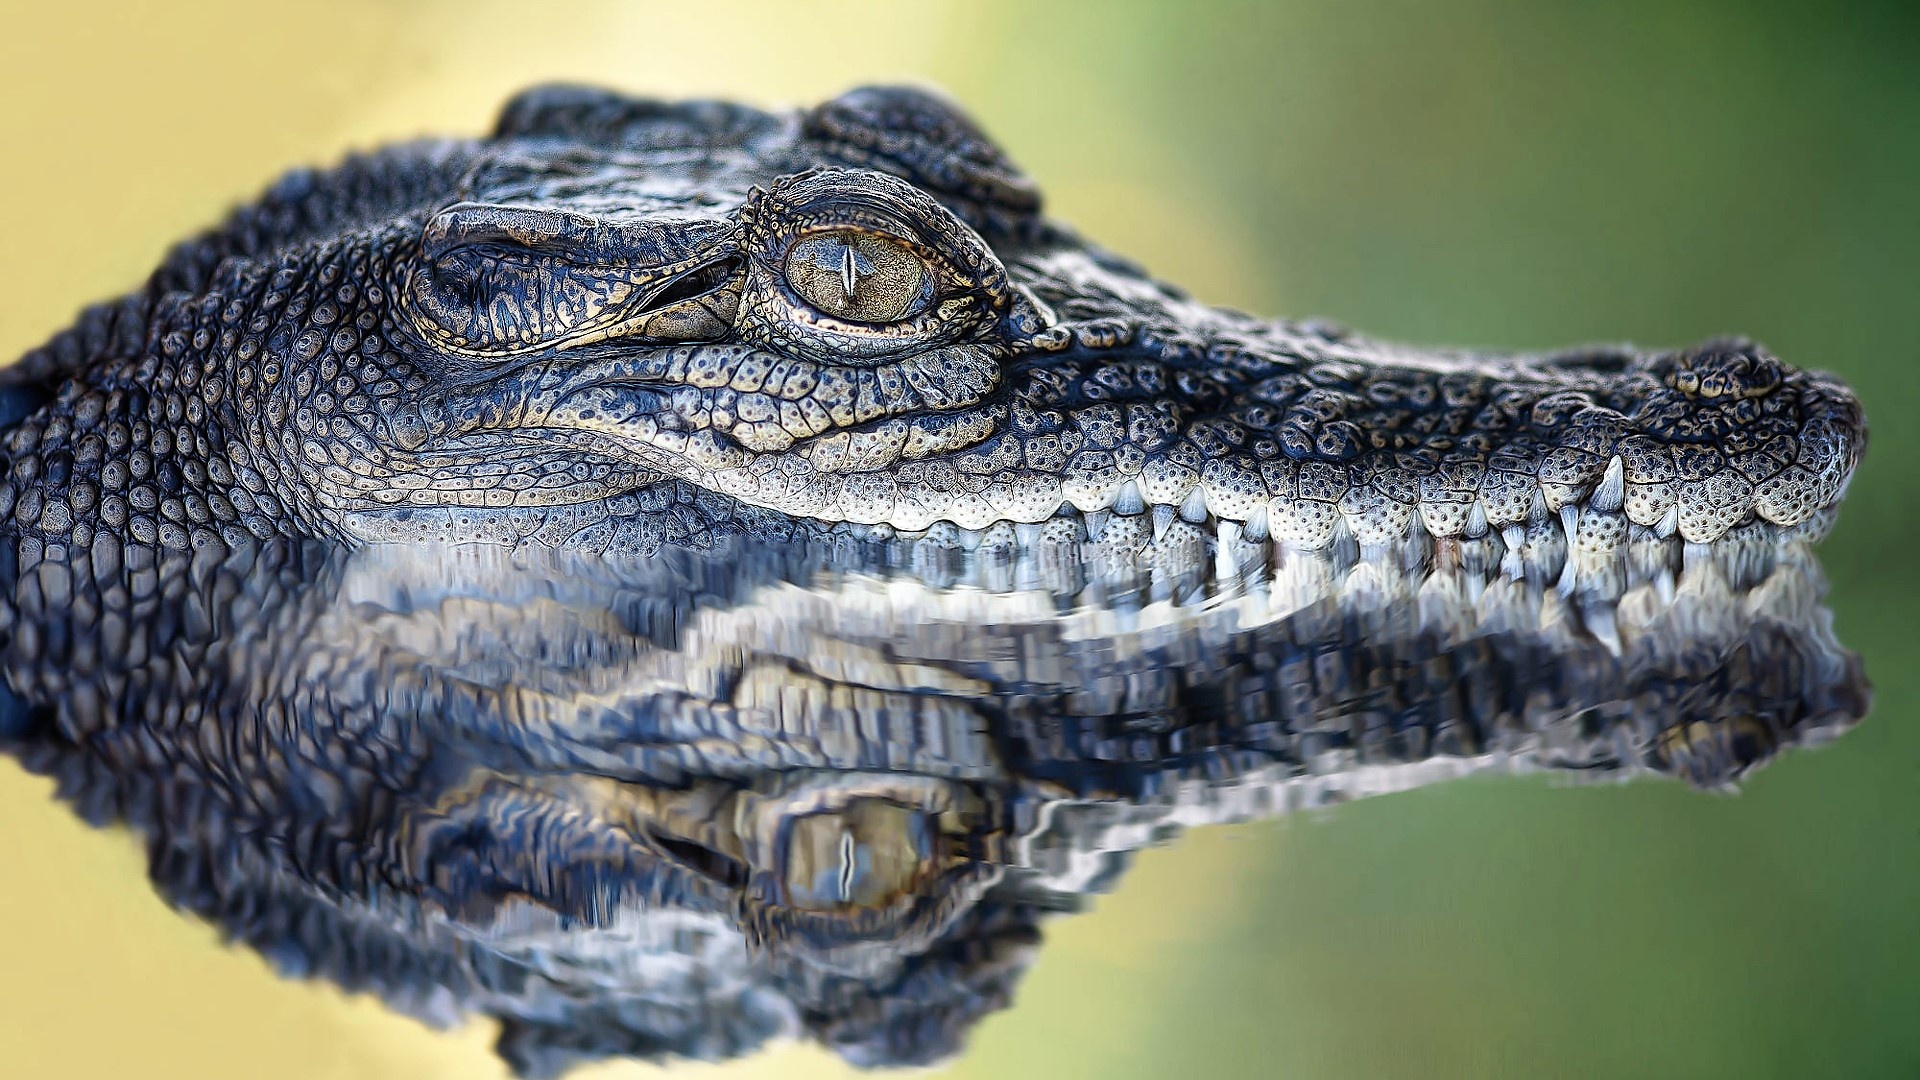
(1596, 516)
(1589, 557)
(1594, 533)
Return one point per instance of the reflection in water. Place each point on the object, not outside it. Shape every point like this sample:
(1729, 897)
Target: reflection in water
(684, 804)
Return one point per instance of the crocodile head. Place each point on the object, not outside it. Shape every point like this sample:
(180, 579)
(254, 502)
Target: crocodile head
(677, 805)
(616, 322)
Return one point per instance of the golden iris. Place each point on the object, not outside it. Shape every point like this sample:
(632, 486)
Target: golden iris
(863, 856)
(857, 276)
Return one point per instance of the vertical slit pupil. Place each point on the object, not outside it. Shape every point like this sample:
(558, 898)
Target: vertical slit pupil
(846, 865)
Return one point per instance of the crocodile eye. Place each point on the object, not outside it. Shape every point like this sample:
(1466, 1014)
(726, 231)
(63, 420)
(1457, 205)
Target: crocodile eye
(851, 267)
(858, 276)
(863, 856)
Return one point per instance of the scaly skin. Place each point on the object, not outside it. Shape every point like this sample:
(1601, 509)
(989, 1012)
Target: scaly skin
(533, 336)
(811, 660)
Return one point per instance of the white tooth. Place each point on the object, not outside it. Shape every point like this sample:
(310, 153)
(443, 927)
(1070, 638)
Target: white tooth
(1512, 566)
(1225, 562)
(1028, 535)
(1612, 489)
(1514, 536)
(1538, 510)
(1601, 625)
(1570, 521)
(1569, 577)
(1477, 519)
(1097, 522)
(1664, 586)
(1162, 521)
(1668, 524)
(1128, 500)
(1256, 529)
(1194, 509)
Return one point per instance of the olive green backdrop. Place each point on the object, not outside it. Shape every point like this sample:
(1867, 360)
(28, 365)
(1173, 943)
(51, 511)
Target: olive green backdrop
(1521, 175)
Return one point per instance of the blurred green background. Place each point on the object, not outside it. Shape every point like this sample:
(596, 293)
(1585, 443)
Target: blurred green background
(1513, 174)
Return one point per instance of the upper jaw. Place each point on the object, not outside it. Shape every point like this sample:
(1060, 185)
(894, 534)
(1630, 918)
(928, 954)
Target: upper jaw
(1607, 450)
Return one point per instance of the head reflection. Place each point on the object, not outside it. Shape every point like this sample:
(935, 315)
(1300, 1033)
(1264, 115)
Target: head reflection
(681, 805)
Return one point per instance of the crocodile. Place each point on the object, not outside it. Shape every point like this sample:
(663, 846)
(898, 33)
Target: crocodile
(671, 576)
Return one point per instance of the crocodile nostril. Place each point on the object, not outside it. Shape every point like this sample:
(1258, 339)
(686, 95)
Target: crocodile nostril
(1725, 369)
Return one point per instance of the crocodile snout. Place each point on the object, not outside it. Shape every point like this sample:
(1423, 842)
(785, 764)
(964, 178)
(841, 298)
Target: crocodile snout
(1738, 433)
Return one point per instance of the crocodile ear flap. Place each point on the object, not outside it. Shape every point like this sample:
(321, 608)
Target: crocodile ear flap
(925, 139)
(605, 118)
